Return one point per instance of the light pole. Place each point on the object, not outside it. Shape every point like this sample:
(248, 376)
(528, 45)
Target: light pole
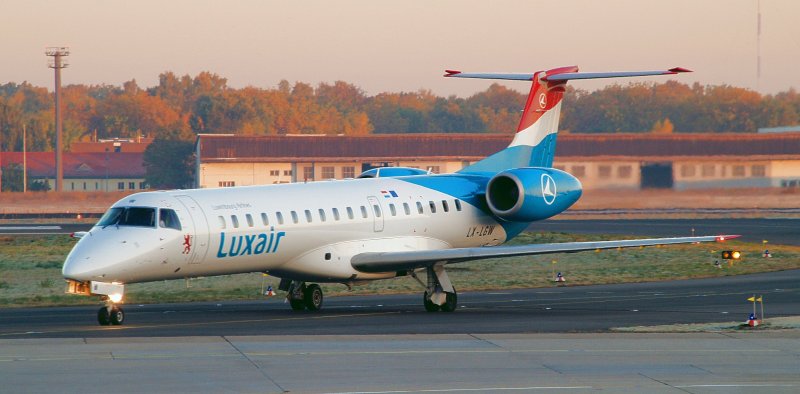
(57, 64)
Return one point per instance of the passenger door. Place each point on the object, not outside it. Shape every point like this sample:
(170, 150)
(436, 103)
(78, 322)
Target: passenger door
(199, 235)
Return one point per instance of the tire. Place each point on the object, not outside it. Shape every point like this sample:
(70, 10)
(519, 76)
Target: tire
(297, 305)
(429, 305)
(103, 316)
(313, 297)
(117, 316)
(451, 302)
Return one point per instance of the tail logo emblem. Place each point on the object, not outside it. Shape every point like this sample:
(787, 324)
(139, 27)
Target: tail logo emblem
(548, 189)
(543, 100)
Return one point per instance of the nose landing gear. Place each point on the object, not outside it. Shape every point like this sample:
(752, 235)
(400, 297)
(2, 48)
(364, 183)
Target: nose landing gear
(110, 315)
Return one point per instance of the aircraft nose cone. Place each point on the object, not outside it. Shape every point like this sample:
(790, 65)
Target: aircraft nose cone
(73, 269)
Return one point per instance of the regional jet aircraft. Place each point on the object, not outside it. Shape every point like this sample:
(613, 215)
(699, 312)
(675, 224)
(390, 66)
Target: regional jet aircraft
(389, 222)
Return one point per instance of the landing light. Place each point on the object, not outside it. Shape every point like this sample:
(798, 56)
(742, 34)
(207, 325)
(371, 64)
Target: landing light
(115, 298)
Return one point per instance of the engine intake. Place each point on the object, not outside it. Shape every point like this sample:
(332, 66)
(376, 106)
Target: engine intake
(530, 194)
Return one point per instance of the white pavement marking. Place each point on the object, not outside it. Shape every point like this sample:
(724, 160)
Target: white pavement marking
(17, 228)
(470, 389)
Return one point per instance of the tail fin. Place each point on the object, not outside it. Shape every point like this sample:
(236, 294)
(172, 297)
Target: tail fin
(535, 142)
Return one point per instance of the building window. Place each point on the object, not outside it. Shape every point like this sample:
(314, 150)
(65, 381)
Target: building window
(687, 170)
(433, 169)
(132, 185)
(287, 172)
(72, 185)
(328, 173)
(97, 185)
(604, 171)
(142, 185)
(308, 173)
(707, 170)
(348, 172)
(120, 185)
(578, 171)
(624, 171)
(84, 185)
(758, 171)
(227, 183)
(738, 171)
(274, 172)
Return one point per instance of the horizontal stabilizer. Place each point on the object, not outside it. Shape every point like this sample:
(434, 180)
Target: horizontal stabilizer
(554, 75)
(403, 261)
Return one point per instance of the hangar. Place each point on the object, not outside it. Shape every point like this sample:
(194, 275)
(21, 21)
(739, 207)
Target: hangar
(600, 161)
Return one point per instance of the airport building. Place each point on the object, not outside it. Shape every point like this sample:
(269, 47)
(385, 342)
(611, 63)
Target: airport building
(83, 172)
(600, 161)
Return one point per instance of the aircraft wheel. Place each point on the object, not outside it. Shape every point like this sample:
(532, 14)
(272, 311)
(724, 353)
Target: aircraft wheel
(117, 316)
(297, 304)
(103, 316)
(429, 305)
(450, 302)
(313, 297)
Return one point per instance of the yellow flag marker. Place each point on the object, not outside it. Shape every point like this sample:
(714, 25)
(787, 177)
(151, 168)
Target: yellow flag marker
(760, 299)
(752, 299)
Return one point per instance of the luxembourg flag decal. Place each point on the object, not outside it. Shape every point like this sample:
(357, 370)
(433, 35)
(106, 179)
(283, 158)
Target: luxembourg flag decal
(388, 193)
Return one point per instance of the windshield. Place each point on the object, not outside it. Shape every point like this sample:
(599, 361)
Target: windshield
(129, 216)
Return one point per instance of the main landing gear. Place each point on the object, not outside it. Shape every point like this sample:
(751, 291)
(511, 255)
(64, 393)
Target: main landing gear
(440, 295)
(110, 314)
(302, 296)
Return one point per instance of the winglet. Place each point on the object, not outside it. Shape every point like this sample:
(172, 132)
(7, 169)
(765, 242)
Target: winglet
(677, 70)
(450, 73)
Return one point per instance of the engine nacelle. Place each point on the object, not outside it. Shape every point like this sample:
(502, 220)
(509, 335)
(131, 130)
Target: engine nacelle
(529, 194)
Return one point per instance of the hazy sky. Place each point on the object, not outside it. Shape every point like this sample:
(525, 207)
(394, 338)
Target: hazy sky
(398, 45)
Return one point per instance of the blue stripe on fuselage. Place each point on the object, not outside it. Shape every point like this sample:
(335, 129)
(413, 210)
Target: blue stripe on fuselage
(468, 188)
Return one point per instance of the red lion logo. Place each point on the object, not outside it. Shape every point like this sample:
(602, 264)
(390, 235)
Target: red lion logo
(187, 244)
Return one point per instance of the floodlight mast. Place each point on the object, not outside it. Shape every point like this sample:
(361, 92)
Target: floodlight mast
(57, 63)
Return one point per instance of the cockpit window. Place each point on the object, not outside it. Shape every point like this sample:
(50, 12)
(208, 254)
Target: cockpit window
(167, 218)
(129, 216)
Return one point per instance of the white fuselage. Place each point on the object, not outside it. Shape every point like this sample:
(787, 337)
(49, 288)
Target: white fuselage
(297, 231)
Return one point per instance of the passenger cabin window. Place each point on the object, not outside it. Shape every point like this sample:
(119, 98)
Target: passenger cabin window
(309, 219)
(321, 215)
(221, 222)
(249, 219)
(364, 212)
(393, 209)
(350, 213)
(264, 219)
(279, 216)
(294, 217)
(167, 218)
(235, 221)
(129, 216)
(336, 214)
(406, 208)
(377, 210)
(445, 207)
(419, 208)
(433, 206)
(458, 205)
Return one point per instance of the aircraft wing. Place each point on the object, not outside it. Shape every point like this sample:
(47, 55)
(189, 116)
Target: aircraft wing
(403, 261)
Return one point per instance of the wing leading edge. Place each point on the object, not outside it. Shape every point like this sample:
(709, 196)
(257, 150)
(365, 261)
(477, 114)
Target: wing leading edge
(403, 261)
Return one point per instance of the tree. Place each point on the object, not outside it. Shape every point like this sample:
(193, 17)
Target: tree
(169, 163)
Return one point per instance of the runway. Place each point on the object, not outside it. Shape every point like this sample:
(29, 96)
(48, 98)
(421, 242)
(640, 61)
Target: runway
(551, 310)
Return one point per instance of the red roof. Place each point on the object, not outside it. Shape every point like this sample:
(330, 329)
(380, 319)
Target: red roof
(467, 147)
(79, 165)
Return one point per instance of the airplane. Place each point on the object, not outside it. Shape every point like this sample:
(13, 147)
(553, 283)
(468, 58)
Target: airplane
(388, 222)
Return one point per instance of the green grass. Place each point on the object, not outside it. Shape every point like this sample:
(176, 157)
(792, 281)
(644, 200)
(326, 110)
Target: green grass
(30, 271)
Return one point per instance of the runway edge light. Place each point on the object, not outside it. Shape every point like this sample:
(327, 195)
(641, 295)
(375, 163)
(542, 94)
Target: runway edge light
(731, 255)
